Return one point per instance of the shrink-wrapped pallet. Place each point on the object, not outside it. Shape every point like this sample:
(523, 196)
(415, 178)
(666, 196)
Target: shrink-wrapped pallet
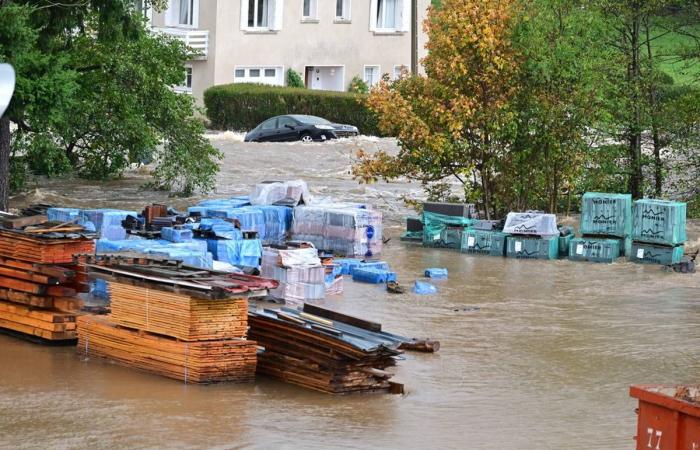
(659, 222)
(532, 224)
(606, 214)
(594, 250)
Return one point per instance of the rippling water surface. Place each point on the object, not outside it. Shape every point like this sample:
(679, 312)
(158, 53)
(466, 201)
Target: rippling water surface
(535, 355)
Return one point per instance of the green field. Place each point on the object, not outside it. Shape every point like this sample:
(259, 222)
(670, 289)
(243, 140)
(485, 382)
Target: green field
(669, 47)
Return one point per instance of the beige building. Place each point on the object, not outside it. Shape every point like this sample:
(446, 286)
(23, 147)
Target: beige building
(328, 42)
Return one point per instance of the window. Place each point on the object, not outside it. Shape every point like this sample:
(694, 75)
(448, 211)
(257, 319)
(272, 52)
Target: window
(309, 8)
(269, 125)
(371, 75)
(180, 13)
(284, 121)
(186, 12)
(265, 75)
(390, 16)
(186, 86)
(258, 11)
(386, 14)
(342, 10)
(400, 71)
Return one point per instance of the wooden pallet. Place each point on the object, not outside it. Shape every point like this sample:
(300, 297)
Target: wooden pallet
(191, 362)
(46, 324)
(178, 315)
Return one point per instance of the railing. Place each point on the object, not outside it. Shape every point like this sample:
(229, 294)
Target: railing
(197, 40)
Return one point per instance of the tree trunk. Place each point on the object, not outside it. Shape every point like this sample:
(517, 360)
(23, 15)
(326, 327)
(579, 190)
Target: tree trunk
(635, 131)
(653, 103)
(4, 163)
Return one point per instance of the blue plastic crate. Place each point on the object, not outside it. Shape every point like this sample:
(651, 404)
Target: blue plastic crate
(376, 276)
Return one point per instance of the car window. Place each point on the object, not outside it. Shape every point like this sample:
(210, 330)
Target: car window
(286, 121)
(269, 124)
(312, 120)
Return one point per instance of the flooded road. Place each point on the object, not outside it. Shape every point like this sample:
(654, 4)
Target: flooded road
(535, 355)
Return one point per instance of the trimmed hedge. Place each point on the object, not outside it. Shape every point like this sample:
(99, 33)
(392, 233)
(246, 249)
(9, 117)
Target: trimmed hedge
(242, 106)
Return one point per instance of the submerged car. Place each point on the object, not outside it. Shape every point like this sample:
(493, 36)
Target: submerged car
(297, 127)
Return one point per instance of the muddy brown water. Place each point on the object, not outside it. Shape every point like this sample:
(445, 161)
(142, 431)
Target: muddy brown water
(535, 355)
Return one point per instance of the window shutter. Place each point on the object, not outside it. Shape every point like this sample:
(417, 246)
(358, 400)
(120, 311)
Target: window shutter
(195, 14)
(372, 15)
(276, 13)
(404, 21)
(244, 14)
(171, 13)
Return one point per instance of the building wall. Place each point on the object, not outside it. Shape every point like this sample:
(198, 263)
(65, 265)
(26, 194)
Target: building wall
(298, 44)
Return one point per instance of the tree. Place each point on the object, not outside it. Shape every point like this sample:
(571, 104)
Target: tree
(93, 94)
(451, 123)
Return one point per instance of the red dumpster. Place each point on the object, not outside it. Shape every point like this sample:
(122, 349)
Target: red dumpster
(669, 417)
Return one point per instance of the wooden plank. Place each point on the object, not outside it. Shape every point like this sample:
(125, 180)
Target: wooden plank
(19, 222)
(350, 320)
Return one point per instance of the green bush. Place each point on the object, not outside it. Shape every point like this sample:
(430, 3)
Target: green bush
(243, 106)
(294, 79)
(358, 86)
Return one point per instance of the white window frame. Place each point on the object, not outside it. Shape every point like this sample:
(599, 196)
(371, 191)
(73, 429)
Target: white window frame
(313, 11)
(402, 18)
(172, 14)
(397, 74)
(278, 78)
(378, 74)
(274, 16)
(346, 17)
(186, 88)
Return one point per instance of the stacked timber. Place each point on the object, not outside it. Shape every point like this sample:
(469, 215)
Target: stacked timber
(176, 321)
(324, 354)
(192, 362)
(39, 282)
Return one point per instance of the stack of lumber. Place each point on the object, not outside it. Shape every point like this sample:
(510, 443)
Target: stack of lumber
(39, 282)
(192, 362)
(178, 315)
(172, 320)
(323, 354)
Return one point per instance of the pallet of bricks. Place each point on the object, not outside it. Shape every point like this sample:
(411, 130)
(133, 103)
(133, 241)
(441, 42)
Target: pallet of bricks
(531, 235)
(658, 232)
(325, 351)
(39, 280)
(606, 228)
(177, 321)
(301, 276)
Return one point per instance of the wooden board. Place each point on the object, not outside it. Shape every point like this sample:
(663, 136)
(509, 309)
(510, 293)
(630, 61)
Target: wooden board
(177, 315)
(191, 362)
(47, 324)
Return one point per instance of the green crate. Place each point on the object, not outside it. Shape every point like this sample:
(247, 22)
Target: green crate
(434, 224)
(659, 222)
(606, 214)
(483, 242)
(645, 253)
(594, 250)
(521, 247)
(564, 245)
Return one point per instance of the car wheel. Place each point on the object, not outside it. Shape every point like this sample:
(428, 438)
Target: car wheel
(306, 137)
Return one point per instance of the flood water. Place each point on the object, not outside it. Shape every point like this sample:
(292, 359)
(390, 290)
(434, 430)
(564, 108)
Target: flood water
(535, 354)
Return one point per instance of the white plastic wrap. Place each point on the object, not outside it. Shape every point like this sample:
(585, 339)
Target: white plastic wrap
(295, 192)
(299, 271)
(531, 223)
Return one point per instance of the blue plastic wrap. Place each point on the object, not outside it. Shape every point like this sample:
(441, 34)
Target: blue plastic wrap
(423, 288)
(369, 275)
(176, 235)
(99, 289)
(63, 214)
(347, 264)
(107, 222)
(436, 272)
(278, 222)
(240, 252)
